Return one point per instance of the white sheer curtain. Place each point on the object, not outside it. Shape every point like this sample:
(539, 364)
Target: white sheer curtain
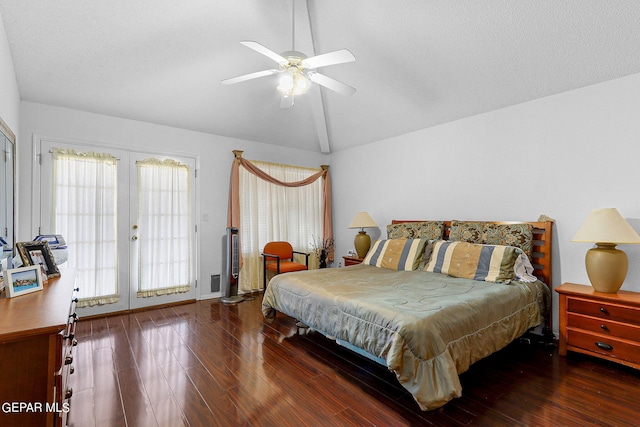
(84, 207)
(164, 225)
(270, 212)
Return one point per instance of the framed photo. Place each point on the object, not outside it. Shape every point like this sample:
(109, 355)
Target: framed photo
(56, 241)
(23, 280)
(38, 253)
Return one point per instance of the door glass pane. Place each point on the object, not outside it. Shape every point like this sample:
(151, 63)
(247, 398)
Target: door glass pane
(84, 213)
(164, 227)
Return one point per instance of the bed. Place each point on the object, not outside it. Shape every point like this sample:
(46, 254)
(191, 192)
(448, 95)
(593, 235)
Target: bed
(429, 300)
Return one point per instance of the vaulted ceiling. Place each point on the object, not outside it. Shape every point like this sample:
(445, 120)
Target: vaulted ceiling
(419, 63)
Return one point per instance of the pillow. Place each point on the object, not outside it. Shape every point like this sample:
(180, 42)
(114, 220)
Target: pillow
(472, 232)
(517, 235)
(523, 270)
(396, 254)
(489, 263)
(433, 230)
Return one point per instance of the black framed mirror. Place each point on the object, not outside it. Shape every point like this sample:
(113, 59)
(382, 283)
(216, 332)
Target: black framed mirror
(7, 190)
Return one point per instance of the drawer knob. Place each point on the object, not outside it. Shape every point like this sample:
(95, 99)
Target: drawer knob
(604, 310)
(68, 360)
(604, 346)
(604, 327)
(71, 370)
(68, 393)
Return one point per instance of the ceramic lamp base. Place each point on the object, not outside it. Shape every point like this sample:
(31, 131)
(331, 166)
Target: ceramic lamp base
(606, 267)
(362, 242)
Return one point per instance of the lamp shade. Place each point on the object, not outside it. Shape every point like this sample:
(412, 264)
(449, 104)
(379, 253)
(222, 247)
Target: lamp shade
(363, 220)
(606, 225)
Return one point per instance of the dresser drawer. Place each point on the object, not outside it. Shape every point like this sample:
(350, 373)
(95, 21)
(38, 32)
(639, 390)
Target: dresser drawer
(603, 310)
(618, 349)
(603, 327)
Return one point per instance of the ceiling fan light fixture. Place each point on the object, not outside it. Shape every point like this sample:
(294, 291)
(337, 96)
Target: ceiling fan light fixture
(293, 83)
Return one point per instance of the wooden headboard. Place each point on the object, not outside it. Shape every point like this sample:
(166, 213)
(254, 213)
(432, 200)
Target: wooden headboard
(541, 251)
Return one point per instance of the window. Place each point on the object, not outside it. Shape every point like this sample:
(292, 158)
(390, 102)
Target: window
(270, 212)
(164, 216)
(84, 205)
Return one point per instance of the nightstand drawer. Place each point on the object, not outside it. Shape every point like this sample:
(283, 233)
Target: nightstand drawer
(603, 327)
(604, 310)
(618, 349)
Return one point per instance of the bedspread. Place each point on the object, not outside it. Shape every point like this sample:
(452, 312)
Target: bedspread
(428, 327)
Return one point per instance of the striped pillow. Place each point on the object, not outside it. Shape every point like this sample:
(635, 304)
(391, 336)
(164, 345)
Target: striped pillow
(396, 254)
(489, 263)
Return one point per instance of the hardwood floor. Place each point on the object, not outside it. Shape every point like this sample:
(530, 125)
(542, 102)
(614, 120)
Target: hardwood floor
(207, 364)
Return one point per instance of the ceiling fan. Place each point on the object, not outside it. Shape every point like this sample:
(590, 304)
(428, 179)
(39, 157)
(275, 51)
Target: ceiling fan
(297, 71)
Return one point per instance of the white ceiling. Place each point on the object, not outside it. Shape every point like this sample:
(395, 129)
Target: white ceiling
(419, 63)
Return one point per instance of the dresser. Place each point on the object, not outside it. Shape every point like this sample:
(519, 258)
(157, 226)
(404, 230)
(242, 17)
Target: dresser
(36, 354)
(600, 324)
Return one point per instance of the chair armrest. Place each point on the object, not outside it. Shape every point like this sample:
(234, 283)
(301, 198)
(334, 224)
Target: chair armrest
(306, 257)
(271, 256)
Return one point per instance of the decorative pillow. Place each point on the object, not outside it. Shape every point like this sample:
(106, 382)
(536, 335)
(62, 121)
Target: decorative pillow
(396, 254)
(489, 263)
(433, 230)
(518, 235)
(472, 232)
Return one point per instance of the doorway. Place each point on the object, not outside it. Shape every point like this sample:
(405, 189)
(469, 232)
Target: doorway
(128, 219)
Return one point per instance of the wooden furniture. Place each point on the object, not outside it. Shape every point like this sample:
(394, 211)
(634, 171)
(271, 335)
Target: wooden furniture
(351, 260)
(540, 256)
(394, 311)
(600, 324)
(36, 354)
(278, 257)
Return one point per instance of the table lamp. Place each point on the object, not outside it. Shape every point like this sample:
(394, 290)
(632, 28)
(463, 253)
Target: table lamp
(606, 265)
(362, 241)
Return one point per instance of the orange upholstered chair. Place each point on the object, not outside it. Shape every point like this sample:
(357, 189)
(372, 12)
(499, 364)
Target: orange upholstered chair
(278, 257)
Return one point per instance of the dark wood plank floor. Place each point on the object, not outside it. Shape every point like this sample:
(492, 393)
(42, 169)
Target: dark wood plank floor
(207, 364)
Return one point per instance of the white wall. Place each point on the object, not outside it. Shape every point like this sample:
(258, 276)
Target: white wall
(214, 153)
(582, 147)
(9, 95)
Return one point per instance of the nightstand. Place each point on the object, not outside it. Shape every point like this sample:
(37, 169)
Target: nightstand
(351, 260)
(600, 324)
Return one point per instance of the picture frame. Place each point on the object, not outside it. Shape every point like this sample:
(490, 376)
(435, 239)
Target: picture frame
(56, 241)
(23, 280)
(38, 253)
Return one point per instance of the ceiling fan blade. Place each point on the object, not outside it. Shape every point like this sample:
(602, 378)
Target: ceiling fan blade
(265, 51)
(331, 58)
(249, 77)
(286, 101)
(330, 83)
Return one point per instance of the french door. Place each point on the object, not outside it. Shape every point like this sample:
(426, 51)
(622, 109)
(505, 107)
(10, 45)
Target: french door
(128, 219)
